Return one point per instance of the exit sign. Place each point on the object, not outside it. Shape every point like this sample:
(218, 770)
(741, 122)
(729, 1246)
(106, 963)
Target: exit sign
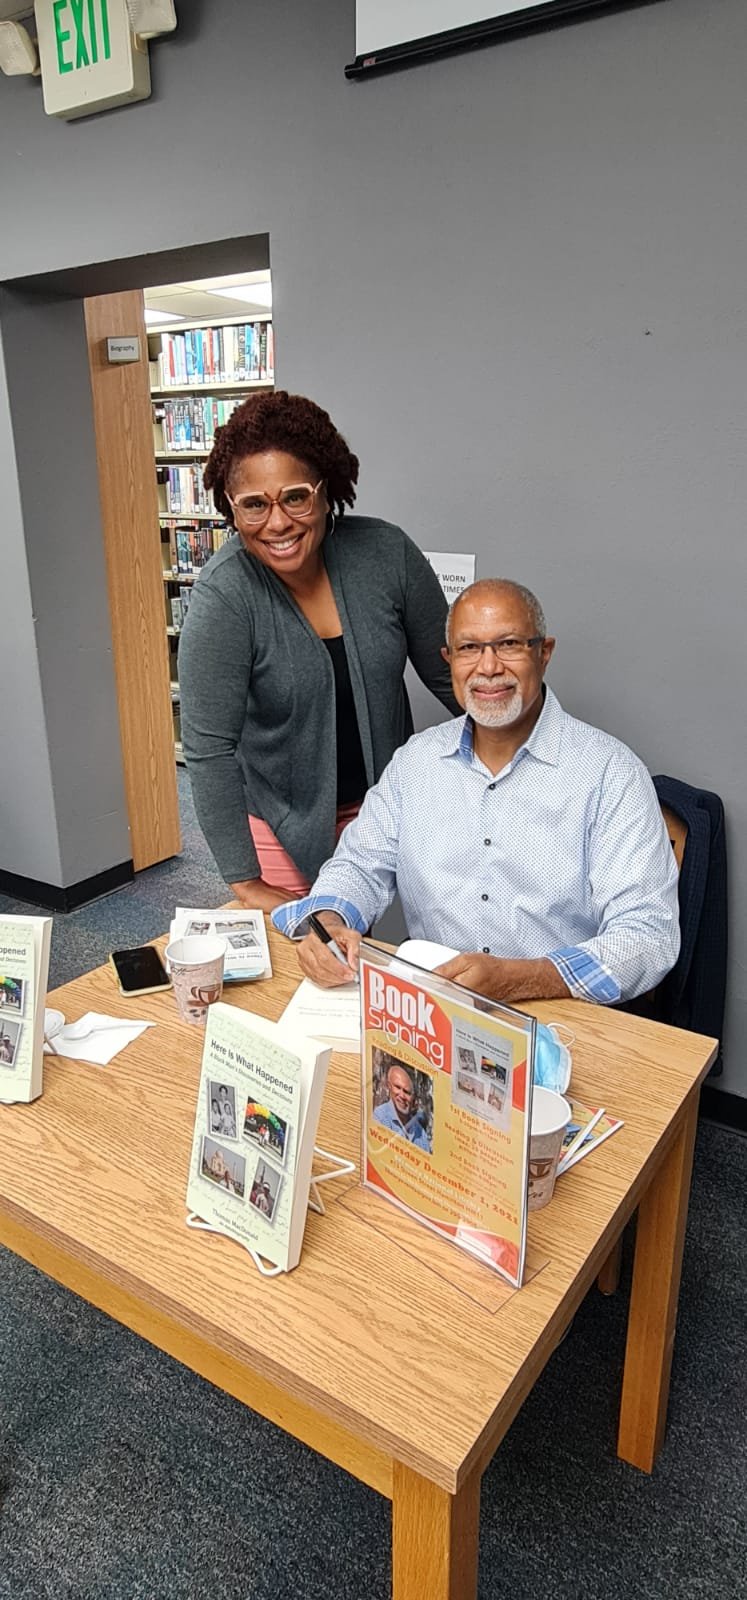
(90, 59)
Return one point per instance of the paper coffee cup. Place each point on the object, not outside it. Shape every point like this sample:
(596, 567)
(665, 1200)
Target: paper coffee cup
(550, 1117)
(196, 966)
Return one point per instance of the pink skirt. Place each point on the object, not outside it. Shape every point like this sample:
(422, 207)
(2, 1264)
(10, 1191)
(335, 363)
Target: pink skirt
(275, 865)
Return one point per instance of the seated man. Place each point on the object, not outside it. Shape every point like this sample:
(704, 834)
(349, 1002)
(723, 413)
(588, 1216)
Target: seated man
(529, 841)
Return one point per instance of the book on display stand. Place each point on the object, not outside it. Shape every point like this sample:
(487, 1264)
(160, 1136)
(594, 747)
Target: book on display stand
(260, 1093)
(24, 969)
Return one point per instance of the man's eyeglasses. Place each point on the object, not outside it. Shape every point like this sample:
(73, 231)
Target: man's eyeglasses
(297, 501)
(510, 649)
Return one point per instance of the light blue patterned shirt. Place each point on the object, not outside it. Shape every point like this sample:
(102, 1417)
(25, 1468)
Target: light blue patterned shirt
(563, 854)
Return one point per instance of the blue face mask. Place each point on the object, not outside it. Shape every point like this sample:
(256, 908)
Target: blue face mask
(552, 1059)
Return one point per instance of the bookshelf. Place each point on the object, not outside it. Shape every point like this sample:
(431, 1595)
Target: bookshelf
(199, 373)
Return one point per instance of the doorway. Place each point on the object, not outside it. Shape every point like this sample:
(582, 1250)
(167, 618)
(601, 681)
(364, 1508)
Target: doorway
(92, 678)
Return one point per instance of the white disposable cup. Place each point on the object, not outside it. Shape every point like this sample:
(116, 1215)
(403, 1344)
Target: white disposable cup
(196, 965)
(551, 1115)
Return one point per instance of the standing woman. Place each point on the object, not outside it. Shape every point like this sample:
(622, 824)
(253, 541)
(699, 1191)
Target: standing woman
(292, 656)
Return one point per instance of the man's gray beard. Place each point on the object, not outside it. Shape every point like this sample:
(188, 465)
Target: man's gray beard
(498, 716)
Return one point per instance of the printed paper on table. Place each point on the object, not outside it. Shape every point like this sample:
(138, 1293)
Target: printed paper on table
(24, 967)
(447, 1087)
(247, 950)
(258, 1104)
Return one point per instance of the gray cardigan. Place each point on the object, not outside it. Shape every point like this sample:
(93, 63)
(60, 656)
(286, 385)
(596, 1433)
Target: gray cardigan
(257, 687)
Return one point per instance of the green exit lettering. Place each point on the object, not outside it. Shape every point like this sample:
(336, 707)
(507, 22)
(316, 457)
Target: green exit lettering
(90, 19)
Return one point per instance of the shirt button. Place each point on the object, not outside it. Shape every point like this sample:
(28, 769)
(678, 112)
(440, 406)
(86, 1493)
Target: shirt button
(491, 785)
(487, 841)
(486, 949)
(483, 897)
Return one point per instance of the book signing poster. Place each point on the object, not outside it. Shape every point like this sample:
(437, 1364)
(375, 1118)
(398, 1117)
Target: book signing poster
(447, 1108)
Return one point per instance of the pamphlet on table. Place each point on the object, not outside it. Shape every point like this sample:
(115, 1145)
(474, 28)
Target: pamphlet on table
(247, 950)
(447, 1086)
(261, 1088)
(24, 968)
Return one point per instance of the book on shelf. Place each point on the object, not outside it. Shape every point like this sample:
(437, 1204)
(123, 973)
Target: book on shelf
(179, 606)
(192, 546)
(185, 490)
(589, 1127)
(447, 1089)
(258, 1103)
(232, 353)
(247, 950)
(190, 423)
(24, 970)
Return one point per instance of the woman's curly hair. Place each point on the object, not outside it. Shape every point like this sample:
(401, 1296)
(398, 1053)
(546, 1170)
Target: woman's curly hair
(288, 422)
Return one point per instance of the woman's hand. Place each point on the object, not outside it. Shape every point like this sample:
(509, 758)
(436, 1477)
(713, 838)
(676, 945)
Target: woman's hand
(259, 896)
(317, 960)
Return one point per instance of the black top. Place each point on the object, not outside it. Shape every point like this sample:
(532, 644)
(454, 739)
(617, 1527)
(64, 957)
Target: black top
(351, 769)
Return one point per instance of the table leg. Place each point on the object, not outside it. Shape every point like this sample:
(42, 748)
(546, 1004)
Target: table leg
(435, 1538)
(660, 1238)
(609, 1277)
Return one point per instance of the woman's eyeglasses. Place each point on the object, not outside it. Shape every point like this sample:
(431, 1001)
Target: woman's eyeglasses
(297, 501)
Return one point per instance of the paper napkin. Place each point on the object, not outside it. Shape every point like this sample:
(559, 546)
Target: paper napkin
(94, 1037)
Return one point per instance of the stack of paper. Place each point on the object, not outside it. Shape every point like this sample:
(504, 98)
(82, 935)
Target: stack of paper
(247, 950)
(333, 1016)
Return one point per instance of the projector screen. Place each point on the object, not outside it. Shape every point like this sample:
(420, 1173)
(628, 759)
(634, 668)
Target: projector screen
(384, 24)
(399, 33)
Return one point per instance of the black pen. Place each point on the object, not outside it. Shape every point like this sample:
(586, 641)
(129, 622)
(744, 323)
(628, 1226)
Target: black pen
(326, 938)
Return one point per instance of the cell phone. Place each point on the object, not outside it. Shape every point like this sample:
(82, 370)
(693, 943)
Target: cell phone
(140, 971)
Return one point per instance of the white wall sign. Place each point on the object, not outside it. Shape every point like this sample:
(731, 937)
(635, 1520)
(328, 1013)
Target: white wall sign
(90, 59)
(454, 572)
(123, 348)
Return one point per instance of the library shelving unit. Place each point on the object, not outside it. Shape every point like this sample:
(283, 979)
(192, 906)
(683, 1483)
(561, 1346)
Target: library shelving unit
(199, 373)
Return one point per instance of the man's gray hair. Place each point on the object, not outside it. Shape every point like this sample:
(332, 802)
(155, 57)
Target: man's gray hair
(487, 586)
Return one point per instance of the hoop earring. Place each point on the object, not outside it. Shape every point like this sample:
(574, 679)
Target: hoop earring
(331, 528)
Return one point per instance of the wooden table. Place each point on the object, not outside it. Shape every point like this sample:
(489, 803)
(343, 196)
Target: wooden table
(92, 1191)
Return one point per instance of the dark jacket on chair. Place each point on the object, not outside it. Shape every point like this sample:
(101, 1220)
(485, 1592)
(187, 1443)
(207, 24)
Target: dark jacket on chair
(692, 994)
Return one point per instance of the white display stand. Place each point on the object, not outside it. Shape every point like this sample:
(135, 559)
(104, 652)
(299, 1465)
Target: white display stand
(341, 1169)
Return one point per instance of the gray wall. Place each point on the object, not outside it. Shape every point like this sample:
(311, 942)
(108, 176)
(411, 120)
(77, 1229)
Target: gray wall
(28, 823)
(517, 279)
(57, 616)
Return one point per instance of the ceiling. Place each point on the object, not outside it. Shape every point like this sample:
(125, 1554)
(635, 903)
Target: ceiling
(210, 299)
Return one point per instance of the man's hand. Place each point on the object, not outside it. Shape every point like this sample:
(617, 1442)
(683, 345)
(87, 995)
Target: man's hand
(317, 960)
(257, 895)
(500, 979)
